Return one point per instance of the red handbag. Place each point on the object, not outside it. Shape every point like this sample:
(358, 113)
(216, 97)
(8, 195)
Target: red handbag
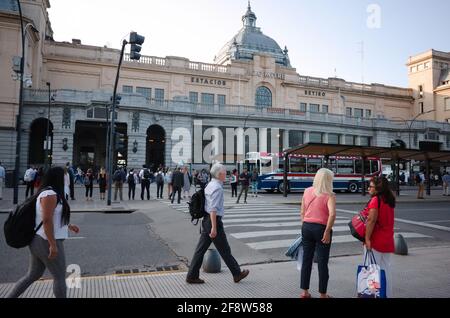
(358, 223)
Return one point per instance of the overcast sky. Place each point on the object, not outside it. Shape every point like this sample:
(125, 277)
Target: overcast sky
(323, 36)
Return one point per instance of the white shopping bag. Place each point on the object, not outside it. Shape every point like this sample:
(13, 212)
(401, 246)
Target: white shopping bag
(369, 281)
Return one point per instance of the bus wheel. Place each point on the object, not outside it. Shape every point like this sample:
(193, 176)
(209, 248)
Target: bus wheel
(353, 187)
(281, 188)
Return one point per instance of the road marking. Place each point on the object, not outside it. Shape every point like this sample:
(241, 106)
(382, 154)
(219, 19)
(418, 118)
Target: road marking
(236, 215)
(274, 224)
(431, 226)
(438, 221)
(336, 240)
(244, 235)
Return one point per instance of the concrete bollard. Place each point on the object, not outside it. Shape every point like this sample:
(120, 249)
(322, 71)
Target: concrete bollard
(212, 262)
(401, 248)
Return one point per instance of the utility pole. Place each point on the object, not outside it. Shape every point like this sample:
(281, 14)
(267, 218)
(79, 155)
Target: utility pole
(19, 114)
(136, 41)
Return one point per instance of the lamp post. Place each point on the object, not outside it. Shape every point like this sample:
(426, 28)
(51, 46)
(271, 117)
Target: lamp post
(409, 139)
(19, 113)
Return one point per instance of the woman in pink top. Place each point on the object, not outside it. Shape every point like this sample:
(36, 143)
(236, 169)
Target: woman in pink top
(318, 212)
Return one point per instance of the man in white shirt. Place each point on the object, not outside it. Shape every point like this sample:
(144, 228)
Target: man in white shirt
(29, 177)
(2, 179)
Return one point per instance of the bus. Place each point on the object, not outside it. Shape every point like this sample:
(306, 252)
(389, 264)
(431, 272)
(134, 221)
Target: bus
(302, 169)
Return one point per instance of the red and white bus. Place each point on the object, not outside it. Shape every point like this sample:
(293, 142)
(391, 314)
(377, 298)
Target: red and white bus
(302, 169)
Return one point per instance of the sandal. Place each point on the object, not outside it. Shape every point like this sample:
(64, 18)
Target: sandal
(305, 296)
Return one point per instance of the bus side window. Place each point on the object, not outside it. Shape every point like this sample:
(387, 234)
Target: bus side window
(346, 166)
(297, 165)
(358, 166)
(374, 167)
(314, 165)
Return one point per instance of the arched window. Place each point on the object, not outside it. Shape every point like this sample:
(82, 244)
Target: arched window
(263, 97)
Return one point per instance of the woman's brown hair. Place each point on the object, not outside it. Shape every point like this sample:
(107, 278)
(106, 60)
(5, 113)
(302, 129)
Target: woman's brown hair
(384, 190)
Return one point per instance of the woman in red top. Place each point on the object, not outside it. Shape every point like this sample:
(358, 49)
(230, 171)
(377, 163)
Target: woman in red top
(380, 226)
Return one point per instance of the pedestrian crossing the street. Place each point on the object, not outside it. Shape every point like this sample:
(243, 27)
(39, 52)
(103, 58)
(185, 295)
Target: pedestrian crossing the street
(265, 226)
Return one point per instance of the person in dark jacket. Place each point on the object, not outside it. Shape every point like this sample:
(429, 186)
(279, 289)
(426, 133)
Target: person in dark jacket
(131, 184)
(71, 179)
(177, 183)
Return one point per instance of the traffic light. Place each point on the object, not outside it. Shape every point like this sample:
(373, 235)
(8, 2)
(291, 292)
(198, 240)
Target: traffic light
(120, 143)
(136, 41)
(118, 99)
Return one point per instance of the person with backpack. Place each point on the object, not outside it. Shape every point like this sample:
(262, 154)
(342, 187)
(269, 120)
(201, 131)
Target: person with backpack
(131, 184)
(254, 180)
(244, 179)
(146, 177)
(119, 178)
(178, 184)
(420, 181)
(89, 184)
(52, 217)
(379, 236)
(318, 213)
(159, 184)
(213, 230)
(28, 178)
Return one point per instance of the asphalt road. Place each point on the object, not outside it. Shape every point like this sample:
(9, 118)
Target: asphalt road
(107, 243)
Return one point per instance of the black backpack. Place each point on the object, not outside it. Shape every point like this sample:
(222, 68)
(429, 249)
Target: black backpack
(147, 174)
(197, 206)
(20, 226)
(130, 179)
(117, 176)
(159, 178)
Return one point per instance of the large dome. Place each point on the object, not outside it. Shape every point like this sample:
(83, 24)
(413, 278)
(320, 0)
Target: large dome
(249, 41)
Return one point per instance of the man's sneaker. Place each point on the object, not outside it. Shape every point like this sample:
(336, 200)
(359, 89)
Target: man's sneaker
(194, 281)
(241, 276)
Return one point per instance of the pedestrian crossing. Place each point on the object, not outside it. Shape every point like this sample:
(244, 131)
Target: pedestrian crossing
(272, 227)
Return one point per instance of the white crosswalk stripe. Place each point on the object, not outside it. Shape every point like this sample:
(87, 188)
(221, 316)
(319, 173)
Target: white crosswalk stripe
(270, 226)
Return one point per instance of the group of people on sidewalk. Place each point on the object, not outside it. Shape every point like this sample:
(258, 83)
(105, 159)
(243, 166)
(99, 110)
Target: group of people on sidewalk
(245, 178)
(317, 216)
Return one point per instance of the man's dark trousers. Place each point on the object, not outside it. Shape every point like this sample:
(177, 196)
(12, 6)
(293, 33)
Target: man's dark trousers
(221, 244)
(145, 185)
(174, 191)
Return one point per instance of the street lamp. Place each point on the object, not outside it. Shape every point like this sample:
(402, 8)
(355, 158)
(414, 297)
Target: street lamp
(409, 126)
(19, 113)
(412, 122)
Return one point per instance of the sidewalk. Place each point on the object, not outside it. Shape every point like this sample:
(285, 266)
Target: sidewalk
(77, 206)
(424, 273)
(407, 195)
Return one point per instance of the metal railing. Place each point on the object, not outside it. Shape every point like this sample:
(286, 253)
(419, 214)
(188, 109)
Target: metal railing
(87, 98)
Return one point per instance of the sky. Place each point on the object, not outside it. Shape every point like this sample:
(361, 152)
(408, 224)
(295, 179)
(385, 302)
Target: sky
(323, 36)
